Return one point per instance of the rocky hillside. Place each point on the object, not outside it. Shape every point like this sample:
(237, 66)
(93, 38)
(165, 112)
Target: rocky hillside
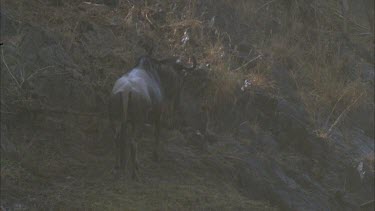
(278, 114)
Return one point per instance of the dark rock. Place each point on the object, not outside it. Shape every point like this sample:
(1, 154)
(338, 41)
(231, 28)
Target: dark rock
(294, 111)
(349, 154)
(271, 182)
(292, 127)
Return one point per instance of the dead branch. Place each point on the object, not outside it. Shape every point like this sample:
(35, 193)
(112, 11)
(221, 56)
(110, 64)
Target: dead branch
(248, 62)
(347, 109)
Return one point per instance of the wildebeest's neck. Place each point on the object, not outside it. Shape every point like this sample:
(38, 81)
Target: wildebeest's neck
(163, 75)
(150, 66)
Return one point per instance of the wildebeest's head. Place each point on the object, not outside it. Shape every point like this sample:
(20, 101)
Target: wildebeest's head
(148, 63)
(172, 73)
(169, 73)
(168, 70)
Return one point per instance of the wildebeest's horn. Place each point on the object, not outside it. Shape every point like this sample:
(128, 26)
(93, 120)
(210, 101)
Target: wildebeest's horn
(177, 61)
(193, 66)
(167, 60)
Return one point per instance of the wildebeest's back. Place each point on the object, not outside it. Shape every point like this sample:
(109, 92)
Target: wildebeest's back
(145, 93)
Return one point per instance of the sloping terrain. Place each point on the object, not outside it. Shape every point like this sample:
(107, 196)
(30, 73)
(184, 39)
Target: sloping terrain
(278, 115)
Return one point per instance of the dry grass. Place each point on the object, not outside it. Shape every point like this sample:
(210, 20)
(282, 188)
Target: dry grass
(326, 78)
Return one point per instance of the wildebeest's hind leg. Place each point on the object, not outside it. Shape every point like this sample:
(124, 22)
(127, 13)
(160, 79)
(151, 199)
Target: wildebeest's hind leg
(117, 150)
(124, 136)
(121, 147)
(116, 127)
(134, 152)
(125, 140)
(156, 119)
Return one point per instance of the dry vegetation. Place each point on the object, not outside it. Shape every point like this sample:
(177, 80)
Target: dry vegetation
(233, 41)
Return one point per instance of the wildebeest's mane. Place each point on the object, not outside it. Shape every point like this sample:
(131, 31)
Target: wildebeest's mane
(150, 65)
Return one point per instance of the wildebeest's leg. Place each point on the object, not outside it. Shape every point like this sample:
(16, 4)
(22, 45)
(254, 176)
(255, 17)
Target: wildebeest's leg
(116, 128)
(117, 150)
(123, 148)
(116, 146)
(133, 152)
(157, 134)
(125, 137)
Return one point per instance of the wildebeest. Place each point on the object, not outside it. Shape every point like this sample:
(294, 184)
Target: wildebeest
(140, 96)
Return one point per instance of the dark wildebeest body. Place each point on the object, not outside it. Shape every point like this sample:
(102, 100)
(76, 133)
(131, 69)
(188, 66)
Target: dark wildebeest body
(140, 96)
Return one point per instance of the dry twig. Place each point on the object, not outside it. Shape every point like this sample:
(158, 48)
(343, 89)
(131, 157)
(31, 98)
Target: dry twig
(346, 110)
(248, 62)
